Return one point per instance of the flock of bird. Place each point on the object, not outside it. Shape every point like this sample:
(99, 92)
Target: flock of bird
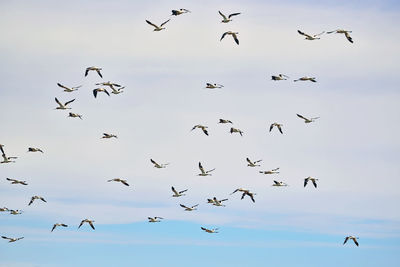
(117, 89)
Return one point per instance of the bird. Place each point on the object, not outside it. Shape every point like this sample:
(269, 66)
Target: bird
(154, 219)
(179, 11)
(253, 163)
(310, 37)
(157, 28)
(33, 149)
(75, 115)
(202, 127)
(204, 173)
(352, 238)
(11, 239)
(109, 84)
(227, 19)
(63, 106)
(159, 166)
(225, 121)
(307, 120)
(273, 171)
(189, 208)
(119, 180)
(178, 193)
(313, 180)
(69, 89)
(58, 224)
(5, 158)
(217, 202)
(213, 85)
(279, 126)
(15, 212)
(211, 231)
(244, 193)
(93, 69)
(235, 130)
(233, 34)
(14, 181)
(95, 91)
(276, 183)
(346, 33)
(305, 78)
(117, 91)
(90, 222)
(279, 77)
(107, 136)
(36, 197)
(4, 209)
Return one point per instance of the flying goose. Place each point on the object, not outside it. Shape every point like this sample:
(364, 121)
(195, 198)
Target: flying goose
(68, 89)
(225, 121)
(157, 28)
(63, 106)
(90, 222)
(4, 209)
(273, 171)
(352, 238)
(119, 180)
(95, 91)
(279, 77)
(36, 197)
(310, 37)
(34, 149)
(11, 239)
(93, 69)
(217, 202)
(244, 193)
(107, 136)
(58, 224)
(346, 33)
(178, 193)
(305, 78)
(117, 91)
(159, 166)
(75, 115)
(313, 180)
(307, 120)
(154, 219)
(5, 158)
(211, 231)
(279, 126)
(203, 128)
(234, 35)
(14, 181)
(204, 173)
(179, 12)
(227, 19)
(213, 85)
(15, 212)
(253, 163)
(235, 130)
(189, 208)
(109, 84)
(276, 183)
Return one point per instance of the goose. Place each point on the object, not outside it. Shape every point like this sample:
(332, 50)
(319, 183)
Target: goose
(33, 149)
(213, 85)
(192, 208)
(218, 203)
(211, 231)
(58, 224)
(346, 33)
(62, 106)
(276, 183)
(157, 28)
(279, 77)
(93, 69)
(234, 35)
(14, 181)
(235, 130)
(119, 180)
(36, 197)
(310, 37)
(273, 171)
(117, 91)
(4, 209)
(203, 128)
(179, 11)
(15, 212)
(307, 120)
(227, 19)
(68, 89)
(107, 136)
(75, 115)
(244, 193)
(178, 193)
(95, 91)
(253, 163)
(204, 173)
(305, 78)
(313, 180)
(90, 222)
(155, 219)
(109, 84)
(225, 121)
(5, 158)
(352, 238)
(279, 126)
(11, 239)
(159, 166)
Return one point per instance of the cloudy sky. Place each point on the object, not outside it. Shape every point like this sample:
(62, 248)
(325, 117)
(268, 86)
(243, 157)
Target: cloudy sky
(353, 149)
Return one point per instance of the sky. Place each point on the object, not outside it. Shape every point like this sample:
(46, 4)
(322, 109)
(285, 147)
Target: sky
(353, 148)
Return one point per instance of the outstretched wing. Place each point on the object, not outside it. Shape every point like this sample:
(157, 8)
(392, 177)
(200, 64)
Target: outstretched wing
(165, 22)
(62, 86)
(98, 72)
(348, 37)
(304, 118)
(152, 24)
(201, 168)
(223, 16)
(233, 14)
(305, 34)
(249, 161)
(314, 183)
(173, 190)
(66, 103)
(235, 38)
(223, 35)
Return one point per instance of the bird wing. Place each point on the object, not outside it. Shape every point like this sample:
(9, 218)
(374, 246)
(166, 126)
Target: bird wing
(183, 191)
(225, 199)
(252, 197)
(315, 35)
(233, 14)
(4, 237)
(345, 240)
(210, 170)
(331, 32)
(30, 202)
(62, 86)
(152, 24)
(91, 225)
(64, 225)
(195, 206)
(355, 241)
(86, 72)
(183, 206)
(202, 228)
(270, 128)
(205, 131)
(276, 182)
(304, 118)
(275, 169)
(105, 91)
(81, 224)
(66, 103)
(314, 183)
(222, 15)
(12, 180)
(58, 102)
(305, 34)
(95, 93)
(165, 22)
(234, 191)
(305, 182)
(42, 199)
(235, 38)
(223, 35)
(244, 193)
(98, 72)
(348, 37)
(249, 161)
(54, 227)
(124, 182)
(173, 190)
(201, 168)
(257, 161)
(280, 129)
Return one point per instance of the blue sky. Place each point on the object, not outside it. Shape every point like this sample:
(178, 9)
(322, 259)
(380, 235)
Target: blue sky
(353, 149)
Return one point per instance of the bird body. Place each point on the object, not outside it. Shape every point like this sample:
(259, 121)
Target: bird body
(279, 77)
(177, 12)
(33, 149)
(75, 115)
(95, 91)
(202, 127)
(233, 34)
(277, 125)
(213, 85)
(90, 222)
(155, 219)
(244, 193)
(352, 238)
(235, 130)
(14, 181)
(276, 183)
(119, 180)
(108, 136)
(217, 202)
(210, 231)
(305, 78)
(58, 224)
(225, 121)
(36, 197)
(109, 84)
(273, 171)
(93, 69)
(313, 180)
(226, 19)
(10, 240)
(192, 208)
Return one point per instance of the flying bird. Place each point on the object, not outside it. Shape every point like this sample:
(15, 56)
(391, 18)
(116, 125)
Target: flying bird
(36, 197)
(69, 89)
(155, 219)
(15, 212)
(210, 231)
(279, 77)
(179, 11)
(178, 193)
(233, 34)
(109, 84)
(11, 239)
(235, 130)
(4, 209)
(159, 166)
(189, 208)
(352, 238)
(217, 202)
(213, 85)
(95, 91)
(273, 171)
(227, 19)
(225, 121)
(202, 127)
(75, 115)
(5, 158)
(305, 78)
(157, 28)
(306, 120)
(346, 34)
(62, 106)
(119, 180)
(107, 136)
(253, 163)
(275, 124)
(58, 224)
(117, 91)
(310, 37)
(14, 181)
(276, 183)
(90, 222)
(93, 69)
(33, 149)
(244, 193)
(313, 180)
(204, 173)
